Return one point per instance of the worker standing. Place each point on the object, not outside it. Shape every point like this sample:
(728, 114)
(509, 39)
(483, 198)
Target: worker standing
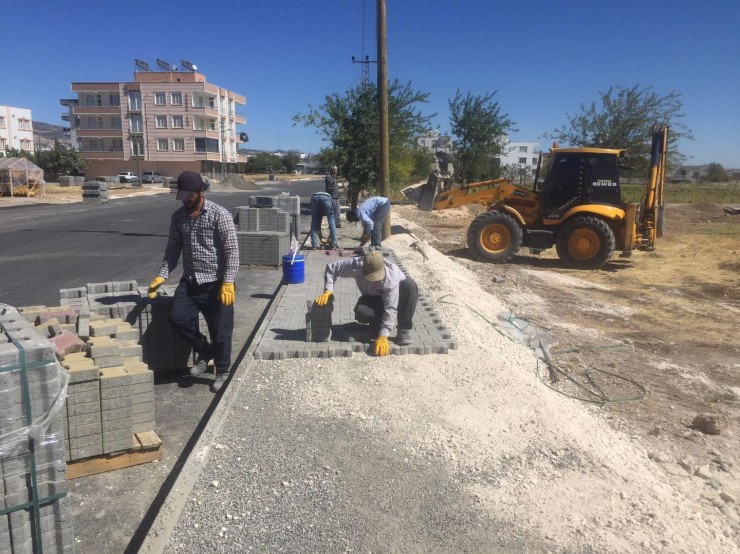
(204, 233)
(332, 187)
(371, 213)
(388, 298)
(321, 206)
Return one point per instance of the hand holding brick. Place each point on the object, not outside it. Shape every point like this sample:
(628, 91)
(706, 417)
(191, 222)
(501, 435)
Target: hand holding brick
(324, 298)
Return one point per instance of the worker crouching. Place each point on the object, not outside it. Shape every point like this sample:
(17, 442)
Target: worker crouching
(388, 298)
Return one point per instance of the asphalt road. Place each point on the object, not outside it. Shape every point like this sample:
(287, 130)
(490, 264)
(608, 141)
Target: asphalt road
(44, 248)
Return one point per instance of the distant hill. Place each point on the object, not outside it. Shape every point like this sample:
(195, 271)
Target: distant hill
(44, 134)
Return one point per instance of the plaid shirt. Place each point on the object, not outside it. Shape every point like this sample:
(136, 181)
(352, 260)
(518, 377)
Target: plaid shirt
(208, 244)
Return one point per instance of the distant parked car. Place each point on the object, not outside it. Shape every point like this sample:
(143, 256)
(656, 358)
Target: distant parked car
(128, 177)
(152, 177)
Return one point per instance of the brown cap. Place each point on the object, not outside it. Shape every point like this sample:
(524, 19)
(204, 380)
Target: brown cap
(374, 266)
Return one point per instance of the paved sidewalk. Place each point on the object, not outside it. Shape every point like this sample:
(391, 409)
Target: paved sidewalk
(285, 333)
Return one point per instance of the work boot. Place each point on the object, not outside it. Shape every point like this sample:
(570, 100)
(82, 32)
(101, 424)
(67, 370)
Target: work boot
(219, 381)
(199, 368)
(403, 337)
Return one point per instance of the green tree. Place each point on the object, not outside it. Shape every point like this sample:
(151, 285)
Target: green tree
(16, 153)
(291, 160)
(715, 174)
(350, 123)
(477, 123)
(61, 160)
(623, 118)
(263, 162)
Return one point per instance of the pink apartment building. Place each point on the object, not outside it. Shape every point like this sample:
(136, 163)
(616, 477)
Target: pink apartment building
(165, 121)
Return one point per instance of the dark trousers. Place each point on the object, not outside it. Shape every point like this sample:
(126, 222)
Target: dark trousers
(205, 298)
(337, 212)
(369, 309)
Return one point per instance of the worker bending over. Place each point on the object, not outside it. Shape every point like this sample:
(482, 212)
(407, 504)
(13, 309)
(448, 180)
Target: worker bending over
(371, 213)
(388, 297)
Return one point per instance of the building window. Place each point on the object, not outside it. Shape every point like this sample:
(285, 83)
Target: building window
(160, 98)
(176, 98)
(137, 124)
(522, 160)
(522, 149)
(134, 100)
(3, 143)
(177, 122)
(206, 145)
(24, 124)
(213, 125)
(26, 145)
(161, 122)
(178, 145)
(137, 147)
(115, 122)
(117, 144)
(2, 122)
(163, 144)
(114, 99)
(534, 161)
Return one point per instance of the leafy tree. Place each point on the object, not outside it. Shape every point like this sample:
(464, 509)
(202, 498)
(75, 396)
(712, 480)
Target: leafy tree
(16, 153)
(350, 123)
(291, 160)
(623, 118)
(515, 172)
(715, 173)
(263, 162)
(476, 123)
(61, 160)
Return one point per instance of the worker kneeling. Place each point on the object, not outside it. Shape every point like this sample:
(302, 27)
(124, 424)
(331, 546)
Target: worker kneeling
(388, 297)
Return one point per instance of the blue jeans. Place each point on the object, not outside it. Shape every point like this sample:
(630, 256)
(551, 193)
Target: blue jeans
(378, 218)
(322, 206)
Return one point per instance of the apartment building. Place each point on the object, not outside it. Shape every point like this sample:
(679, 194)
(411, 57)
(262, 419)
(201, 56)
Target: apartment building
(166, 121)
(519, 154)
(16, 129)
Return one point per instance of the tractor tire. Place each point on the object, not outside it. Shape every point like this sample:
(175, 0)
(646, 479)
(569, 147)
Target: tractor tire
(585, 242)
(494, 237)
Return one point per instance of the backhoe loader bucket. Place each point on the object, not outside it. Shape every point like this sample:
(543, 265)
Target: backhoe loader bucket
(423, 195)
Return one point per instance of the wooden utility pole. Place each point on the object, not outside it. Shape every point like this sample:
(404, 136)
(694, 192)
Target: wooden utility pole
(385, 166)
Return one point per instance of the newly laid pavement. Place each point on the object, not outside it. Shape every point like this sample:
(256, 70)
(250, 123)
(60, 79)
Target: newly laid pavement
(188, 519)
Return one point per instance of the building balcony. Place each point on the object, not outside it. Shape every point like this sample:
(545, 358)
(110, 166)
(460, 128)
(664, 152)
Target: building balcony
(240, 119)
(101, 153)
(85, 110)
(99, 132)
(204, 110)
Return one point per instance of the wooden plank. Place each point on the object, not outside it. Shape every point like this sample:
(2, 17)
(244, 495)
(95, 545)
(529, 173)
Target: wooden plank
(148, 449)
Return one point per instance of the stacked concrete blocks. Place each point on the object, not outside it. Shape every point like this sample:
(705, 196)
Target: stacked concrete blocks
(263, 234)
(27, 363)
(94, 192)
(82, 424)
(162, 348)
(292, 206)
(318, 321)
(116, 409)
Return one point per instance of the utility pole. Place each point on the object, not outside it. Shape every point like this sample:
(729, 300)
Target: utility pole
(385, 171)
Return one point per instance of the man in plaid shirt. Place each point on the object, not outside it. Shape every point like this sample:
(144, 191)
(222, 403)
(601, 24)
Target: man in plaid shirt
(204, 233)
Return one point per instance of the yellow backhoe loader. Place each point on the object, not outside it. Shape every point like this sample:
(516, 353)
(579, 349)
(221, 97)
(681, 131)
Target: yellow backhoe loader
(576, 205)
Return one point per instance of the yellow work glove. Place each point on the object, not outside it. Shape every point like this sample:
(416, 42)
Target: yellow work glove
(364, 238)
(324, 298)
(227, 294)
(153, 286)
(381, 346)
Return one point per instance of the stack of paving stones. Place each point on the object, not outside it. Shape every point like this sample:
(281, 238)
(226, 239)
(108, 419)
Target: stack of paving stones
(29, 530)
(94, 192)
(263, 235)
(285, 335)
(292, 206)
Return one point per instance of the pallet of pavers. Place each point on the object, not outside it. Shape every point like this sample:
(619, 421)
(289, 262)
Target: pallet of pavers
(35, 509)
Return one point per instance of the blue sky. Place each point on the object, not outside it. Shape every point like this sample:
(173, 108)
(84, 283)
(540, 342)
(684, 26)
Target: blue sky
(544, 58)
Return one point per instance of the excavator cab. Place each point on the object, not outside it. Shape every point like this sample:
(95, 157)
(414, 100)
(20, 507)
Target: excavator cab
(577, 177)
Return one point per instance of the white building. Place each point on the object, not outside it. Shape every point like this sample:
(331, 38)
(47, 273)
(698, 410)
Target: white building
(519, 154)
(435, 142)
(16, 129)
